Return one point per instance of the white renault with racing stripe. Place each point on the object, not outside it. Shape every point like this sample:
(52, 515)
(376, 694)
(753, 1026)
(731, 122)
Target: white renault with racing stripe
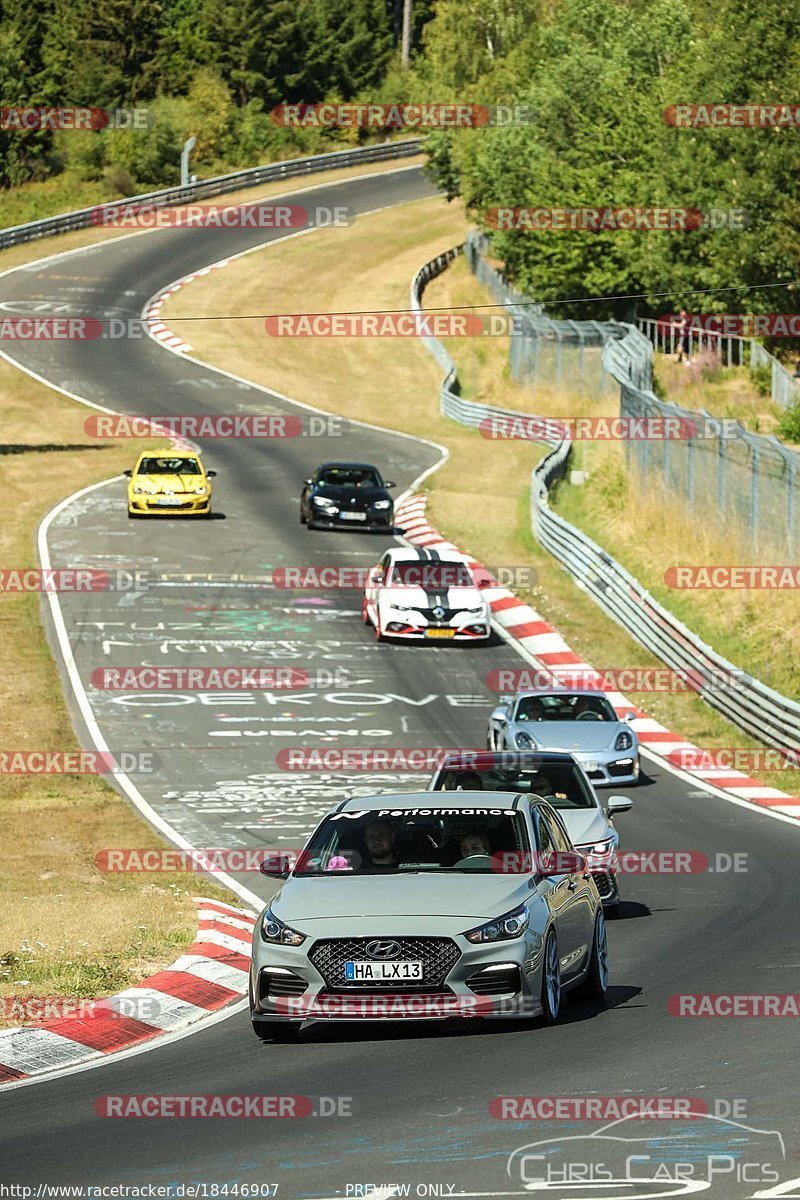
(426, 594)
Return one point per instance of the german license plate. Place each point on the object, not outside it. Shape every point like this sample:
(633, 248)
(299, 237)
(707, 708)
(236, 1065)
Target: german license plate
(353, 516)
(369, 972)
(168, 502)
(440, 633)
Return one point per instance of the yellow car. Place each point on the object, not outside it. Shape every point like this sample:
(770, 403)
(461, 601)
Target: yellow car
(163, 485)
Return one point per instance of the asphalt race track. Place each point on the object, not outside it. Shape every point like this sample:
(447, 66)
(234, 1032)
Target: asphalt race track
(419, 1095)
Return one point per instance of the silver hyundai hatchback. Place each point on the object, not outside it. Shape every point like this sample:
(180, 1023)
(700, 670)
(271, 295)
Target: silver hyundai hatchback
(426, 906)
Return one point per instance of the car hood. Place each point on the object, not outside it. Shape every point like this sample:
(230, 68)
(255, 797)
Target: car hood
(468, 896)
(418, 597)
(571, 735)
(585, 825)
(169, 483)
(342, 494)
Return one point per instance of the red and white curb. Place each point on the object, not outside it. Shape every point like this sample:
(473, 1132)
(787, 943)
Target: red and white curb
(152, 314)
(544, 643)
(212, 973)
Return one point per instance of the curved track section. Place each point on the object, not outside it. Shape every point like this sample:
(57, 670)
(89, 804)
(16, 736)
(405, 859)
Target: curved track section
(419, 1096)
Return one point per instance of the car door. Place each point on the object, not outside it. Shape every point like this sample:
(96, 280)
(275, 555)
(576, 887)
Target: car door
(580, 909)
(375, 581)
(561, 891)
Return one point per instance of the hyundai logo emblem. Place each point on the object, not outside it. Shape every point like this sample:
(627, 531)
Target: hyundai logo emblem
(378, 949)
(438, 612)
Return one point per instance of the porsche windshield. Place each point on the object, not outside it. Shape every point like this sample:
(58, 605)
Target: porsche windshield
(560, 783)
(560, 707)
(395, 841)
(169, 466)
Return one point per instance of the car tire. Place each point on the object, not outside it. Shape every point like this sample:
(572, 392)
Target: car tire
(378, 632)
(365, 613)
(275, 1031)
(595, 985)
(489, 740)
(302, 516)
(551, 980)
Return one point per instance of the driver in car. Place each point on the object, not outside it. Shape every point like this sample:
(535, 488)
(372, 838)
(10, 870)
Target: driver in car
(474, 843)
(380, 841)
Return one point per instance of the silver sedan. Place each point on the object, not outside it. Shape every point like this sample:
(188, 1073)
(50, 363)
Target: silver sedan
(415, 906)
(583, 722)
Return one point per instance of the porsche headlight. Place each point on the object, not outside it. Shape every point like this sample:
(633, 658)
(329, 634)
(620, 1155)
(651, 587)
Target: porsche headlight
(274, 930)
(524, 741)
(502, 929)
(624, 740)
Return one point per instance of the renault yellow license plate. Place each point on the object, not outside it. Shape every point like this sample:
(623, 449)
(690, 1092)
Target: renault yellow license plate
(440, 633)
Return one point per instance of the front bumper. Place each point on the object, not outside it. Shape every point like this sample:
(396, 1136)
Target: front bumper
(502, 981)
(618, 767)
(374, 521)
(181, 505)
(461, 629)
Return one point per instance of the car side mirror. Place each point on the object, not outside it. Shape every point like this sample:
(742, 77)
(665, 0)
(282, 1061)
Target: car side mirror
(375, 577)
(276, 866)
(210, 474)
(484, 581)
(389, 483)
(629, 717)
(307, 481)
(618, 804)
(563, 862)
(128, 473)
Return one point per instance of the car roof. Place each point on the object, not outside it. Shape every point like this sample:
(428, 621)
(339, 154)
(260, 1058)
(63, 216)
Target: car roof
(415, 554)
(169, 454)
(348, 466)
(476, 760)
(581, 690)
(428, 800)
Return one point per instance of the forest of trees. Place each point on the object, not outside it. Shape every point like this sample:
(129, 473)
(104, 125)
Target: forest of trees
(596, 76)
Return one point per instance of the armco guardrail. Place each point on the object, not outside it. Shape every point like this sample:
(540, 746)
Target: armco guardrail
(761, 712)
(82, 218)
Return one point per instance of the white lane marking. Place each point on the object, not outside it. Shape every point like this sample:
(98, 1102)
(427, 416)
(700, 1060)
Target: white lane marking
(31, 1048)
(162, 1010)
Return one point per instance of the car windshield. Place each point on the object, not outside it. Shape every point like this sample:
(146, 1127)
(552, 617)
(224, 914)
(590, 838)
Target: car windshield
(560, 783)
(564, 707)
(349, 477)
(169, 466)
(433, 576)
(396, 841)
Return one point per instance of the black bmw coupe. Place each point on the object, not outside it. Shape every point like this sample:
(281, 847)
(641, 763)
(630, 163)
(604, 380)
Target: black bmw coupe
(341, 495)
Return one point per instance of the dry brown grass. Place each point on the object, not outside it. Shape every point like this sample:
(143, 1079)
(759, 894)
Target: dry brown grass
(68, 929)
(355, 377)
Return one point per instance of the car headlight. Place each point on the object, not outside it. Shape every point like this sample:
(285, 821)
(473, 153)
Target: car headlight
(502, 929)
(275, 931)
(201, 490)
(400, 607)
(323, 502)
(382, 504)
(139, 489)
(624, 740)
(597, 847)
(524, 741)
(474, 612)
